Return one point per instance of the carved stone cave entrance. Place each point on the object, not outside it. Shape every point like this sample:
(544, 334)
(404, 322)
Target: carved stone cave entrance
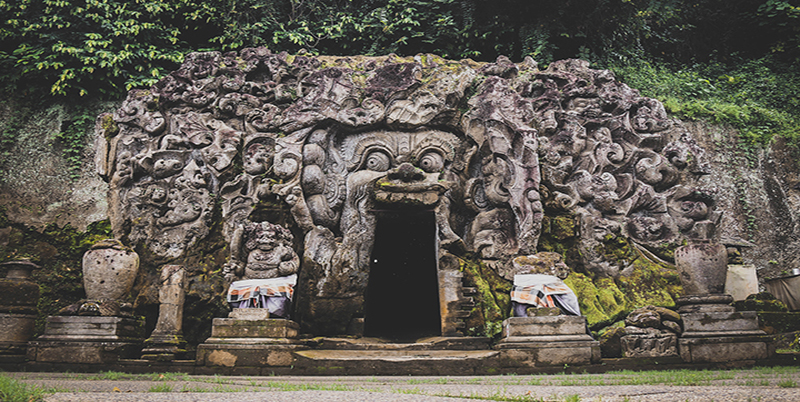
(402, 300)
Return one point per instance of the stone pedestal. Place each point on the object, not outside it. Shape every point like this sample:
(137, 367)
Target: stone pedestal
(714, 332)
(76, 339)
(548, 341)
(18, 299)
(166, 342)
(250, 338)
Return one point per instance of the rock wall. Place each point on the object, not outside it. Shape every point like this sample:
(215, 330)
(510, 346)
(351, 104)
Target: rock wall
(607, 159)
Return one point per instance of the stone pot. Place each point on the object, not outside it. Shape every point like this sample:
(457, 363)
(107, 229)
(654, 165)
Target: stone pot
(18, 299)
(109, 270)
(703, 266)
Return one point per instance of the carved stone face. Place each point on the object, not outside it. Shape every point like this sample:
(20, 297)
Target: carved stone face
(258, 158)
(408, 166)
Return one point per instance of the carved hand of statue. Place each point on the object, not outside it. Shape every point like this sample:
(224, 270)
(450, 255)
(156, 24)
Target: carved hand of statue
(232, 269)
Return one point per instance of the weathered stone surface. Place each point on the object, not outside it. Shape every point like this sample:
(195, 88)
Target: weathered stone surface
(487, 148)
(741, 281)
(729, 322)
(71, 328)
(546, 263)
(643, 318)
(656, 344)
(763, 301)
(258, 355)
(725, 349)
(166, 342)
(261, 250)
(15, 332)
(703, 267)
(271, 328)
(109, 270)
(249, 314)
(610, 342)
(18, 294)
(544, 326)
(550, 353)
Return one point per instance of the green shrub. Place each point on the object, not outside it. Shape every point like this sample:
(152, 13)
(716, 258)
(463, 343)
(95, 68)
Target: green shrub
(760, 98)
(12, 390)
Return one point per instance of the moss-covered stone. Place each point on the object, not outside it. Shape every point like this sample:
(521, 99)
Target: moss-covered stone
(760, 305)
(650, 283)
(493, 298)
(774, 322)
(601, 301)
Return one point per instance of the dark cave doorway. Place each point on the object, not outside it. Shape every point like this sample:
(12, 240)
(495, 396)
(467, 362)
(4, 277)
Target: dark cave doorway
(402, 300)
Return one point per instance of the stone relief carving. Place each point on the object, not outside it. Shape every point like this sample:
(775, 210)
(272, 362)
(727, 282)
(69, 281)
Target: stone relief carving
(488, 148)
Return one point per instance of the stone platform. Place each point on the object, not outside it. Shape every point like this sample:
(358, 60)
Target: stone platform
(548, 341)
(250, 338)
(714, 332)
(75, 339)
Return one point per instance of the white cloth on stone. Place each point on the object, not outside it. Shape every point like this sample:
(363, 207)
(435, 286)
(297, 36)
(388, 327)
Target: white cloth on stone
(544, 291)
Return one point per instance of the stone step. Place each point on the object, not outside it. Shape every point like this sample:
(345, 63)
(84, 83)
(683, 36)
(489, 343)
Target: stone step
(423, 344)
(396, 355)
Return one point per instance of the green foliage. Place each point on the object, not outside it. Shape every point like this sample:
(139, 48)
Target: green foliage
(105, 46)
(81, 47)
(760, 98)
(73, 138)
(14, 391)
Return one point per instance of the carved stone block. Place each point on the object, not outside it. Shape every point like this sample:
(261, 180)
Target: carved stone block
(657, 345)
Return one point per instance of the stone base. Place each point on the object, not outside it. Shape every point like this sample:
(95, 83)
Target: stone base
(250, 342)
(82, 351)
(725, 349)
(713, 332)
(164, 347)
(15, 332)
(548, 340)
(75, 339)
(720, 323)
(270, 328)
(247, 355)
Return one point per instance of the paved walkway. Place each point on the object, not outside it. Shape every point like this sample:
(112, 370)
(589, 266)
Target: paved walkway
(760, 384)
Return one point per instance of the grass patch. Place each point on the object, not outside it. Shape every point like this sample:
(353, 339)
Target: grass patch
(787, 384)
(170, 377)
(160, 388)
(14, 391)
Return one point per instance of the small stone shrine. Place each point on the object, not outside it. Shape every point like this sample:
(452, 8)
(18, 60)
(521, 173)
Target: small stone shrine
(257, 332)
(102, 328)
(547, 327)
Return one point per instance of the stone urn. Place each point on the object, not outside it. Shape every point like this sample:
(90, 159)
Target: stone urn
(18, 298)
(703, 266)
(109, 270)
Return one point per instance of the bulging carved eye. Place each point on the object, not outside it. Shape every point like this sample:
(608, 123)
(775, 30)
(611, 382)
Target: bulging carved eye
(431, 162)
(378, 161)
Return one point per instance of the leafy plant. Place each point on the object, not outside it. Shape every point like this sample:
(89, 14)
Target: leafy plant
(14, 391)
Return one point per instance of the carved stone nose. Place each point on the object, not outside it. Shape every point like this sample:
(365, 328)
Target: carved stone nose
(406, 172)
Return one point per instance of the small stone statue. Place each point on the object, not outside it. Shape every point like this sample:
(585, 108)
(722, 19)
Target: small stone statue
(262, 268)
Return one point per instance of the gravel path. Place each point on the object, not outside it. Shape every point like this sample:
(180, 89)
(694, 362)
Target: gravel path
(765, 384)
